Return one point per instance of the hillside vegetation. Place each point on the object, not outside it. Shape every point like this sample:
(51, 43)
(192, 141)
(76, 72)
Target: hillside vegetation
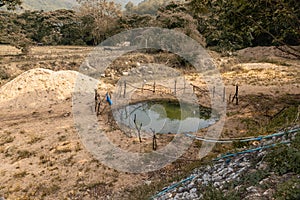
(221, 25)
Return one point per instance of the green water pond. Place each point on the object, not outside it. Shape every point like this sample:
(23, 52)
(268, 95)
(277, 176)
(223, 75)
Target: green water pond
(166, 117)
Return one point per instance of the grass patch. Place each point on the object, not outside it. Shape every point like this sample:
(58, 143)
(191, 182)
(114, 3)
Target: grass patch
(34, 140)
(283, 158)
(147, 191)
(210, 192)
(22, 154)
(20, 174)
(288, 190)
(6, 139)
(282, 119)
(3, 74)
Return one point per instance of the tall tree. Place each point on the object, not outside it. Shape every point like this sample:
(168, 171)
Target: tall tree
(103, 15)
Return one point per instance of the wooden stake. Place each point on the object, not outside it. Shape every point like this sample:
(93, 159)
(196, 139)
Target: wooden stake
(154, 143)
(236, 95)
(224, 94)
(124, 94)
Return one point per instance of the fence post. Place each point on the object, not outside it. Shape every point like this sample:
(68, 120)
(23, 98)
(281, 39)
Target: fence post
(236, 95)
(154, 143)
(224, 94)
(124, 94)
(154, 85)
(96, 99)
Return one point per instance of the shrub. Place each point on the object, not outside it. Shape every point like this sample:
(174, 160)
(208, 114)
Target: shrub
(288, 190)
(284, 159)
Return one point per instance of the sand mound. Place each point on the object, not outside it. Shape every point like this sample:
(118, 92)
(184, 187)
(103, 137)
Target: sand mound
(38, 87)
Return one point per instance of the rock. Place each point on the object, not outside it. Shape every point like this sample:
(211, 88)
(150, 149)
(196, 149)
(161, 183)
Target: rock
(178, 196)
(125, 73)
(206, 177)
(217, 184)
(193, 190)
(181, 189)
(244, 164)
(191, 185)
(269, 193)
(252, 189)
(185, 195)
(216, 178)
(192, 196)
(148, 182)
(230, 169)
(241, 170)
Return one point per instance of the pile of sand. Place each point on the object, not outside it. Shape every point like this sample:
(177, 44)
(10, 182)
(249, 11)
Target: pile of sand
(41, 87)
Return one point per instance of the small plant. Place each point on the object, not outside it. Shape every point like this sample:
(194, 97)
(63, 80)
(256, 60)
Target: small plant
(3, 74)
(288, 190)
(210, 192)
(6, 139)
(34, 140)
(284, 159)
(23, 154)
(254, 178)
(20, 174)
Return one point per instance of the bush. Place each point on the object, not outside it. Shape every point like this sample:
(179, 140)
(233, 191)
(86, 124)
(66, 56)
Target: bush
(288, 190)
(4, 74)
(284, 159)
(212, 193)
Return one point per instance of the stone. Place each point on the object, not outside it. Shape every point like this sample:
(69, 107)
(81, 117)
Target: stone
(217, 184)
(269, 193)
(216, 178)
(185, 195)
(191, 185)
(252, 189)
(125, 73)
(192, 196)
(181, 189)
(193, 190)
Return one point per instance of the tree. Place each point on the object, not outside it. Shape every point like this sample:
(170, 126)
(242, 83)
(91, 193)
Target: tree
(10, 4)
(238, 24)
(129, 7)
(12, 33)
(102, 15)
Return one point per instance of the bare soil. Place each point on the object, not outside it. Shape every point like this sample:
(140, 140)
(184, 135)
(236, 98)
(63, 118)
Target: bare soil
(42, 156)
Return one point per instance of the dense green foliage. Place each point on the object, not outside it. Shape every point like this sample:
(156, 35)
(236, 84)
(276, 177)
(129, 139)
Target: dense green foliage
(288, 190)
(284, 159)
(219, 24)
(238, 24)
